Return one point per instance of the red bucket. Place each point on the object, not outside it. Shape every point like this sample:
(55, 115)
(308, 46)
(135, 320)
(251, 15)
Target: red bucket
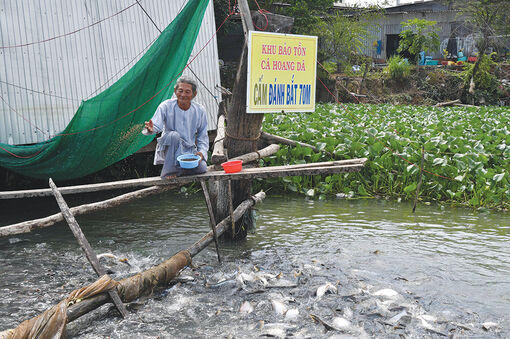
(232, 166)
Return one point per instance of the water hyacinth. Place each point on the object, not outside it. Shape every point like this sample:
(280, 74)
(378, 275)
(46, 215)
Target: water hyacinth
(466, 152)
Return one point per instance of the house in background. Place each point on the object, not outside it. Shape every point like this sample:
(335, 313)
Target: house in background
(453, 34)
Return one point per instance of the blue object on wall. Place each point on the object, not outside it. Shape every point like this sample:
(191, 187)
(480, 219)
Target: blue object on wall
(422, 58)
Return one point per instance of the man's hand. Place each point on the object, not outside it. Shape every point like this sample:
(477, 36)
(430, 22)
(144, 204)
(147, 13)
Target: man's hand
(150, 126)
(201, 155)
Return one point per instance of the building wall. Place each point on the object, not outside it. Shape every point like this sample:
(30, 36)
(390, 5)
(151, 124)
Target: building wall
(390, 25)
(42, 85)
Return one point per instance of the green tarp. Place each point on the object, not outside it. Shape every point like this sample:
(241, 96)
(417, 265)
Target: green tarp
(107, 128)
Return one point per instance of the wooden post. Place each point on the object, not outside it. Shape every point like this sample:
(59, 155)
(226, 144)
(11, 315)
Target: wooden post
(218, 154)
(211, 217)
(420, 178)
(242, 131)
(85, 246)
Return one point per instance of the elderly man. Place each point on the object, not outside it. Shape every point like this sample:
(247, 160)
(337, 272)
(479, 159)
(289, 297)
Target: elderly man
(184, 127)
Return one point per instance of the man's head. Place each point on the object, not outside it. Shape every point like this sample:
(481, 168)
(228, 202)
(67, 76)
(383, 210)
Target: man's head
(185, 90)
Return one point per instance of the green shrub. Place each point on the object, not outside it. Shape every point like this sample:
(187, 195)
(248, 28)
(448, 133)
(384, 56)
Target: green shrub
(486, 83)
(398, 68)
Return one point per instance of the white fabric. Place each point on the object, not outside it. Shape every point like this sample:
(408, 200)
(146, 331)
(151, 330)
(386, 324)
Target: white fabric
(190, 124)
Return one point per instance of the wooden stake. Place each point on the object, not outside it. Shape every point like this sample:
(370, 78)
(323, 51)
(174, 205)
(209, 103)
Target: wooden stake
(211, 217)
(85, 246)
(218, 155)
(231, 208)
(419, 179)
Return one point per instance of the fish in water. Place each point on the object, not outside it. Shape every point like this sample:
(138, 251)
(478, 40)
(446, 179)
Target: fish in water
(279, 307)
(341, 323)
(114, 257)
(326, 288)
(246, 307)
(292, 314)
(387, 293)
(222, 283)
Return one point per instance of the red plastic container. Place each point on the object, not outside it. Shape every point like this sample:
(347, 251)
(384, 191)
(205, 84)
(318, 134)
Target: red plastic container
(232, 166)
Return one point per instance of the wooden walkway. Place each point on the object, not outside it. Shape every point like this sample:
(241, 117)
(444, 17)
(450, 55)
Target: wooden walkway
(318, 168)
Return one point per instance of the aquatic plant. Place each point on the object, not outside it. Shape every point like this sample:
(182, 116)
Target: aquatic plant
(466, 152)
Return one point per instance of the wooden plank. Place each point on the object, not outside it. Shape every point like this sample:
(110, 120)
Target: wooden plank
(331, 167)
(121, 184)
(211, 216)
(218, 155)
(85, 246)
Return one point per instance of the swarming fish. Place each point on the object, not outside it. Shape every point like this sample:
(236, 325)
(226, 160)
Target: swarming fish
(326, 288)
(279, 307)
(246, 307)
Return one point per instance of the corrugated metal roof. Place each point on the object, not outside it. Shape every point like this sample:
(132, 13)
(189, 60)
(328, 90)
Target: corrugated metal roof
(42, 84)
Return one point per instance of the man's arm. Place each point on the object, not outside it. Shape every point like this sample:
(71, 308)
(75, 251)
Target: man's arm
(155, 125)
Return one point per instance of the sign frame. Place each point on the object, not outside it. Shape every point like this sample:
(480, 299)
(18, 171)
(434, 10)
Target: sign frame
(288, 85)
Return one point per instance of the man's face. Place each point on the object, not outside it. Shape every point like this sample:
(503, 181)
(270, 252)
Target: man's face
(184, 93)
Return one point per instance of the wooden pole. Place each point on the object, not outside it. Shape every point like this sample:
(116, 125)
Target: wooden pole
(419, 179)
(218, 155)
(231, 208)
(29, 226)
(211, 216)
(242, 130)
(275, 139)
(85, 246)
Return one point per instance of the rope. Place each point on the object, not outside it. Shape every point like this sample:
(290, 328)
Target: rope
(70, 33)
(241, 138)
(200, 80)
(113, 76)
(21, 115)
(263, 12)
(38, 92)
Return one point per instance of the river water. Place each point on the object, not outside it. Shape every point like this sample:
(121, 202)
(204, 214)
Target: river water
(313, 269)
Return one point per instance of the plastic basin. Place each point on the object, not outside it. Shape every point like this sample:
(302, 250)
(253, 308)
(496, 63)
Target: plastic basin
(431, 62)
(188, 160)
(232, 166)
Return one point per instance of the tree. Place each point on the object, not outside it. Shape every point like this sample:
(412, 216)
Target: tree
(343, 37)
(488, 18)
(419, 35)
(306, 13)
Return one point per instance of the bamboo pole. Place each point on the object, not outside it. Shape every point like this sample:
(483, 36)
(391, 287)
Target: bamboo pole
(419, 179)
(130, 183)
(212, 220)
(275, 139)
(28, 226)
(85, 306)
(177, 262)
(342, 166)
(85, 246)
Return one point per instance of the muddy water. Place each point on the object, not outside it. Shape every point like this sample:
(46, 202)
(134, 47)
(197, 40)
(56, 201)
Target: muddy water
(441, 272)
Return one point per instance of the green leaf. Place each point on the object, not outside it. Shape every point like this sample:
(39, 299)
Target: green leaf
(310, 192)
(362, 190)
(410, 188)
(498, 177)
(438, 161)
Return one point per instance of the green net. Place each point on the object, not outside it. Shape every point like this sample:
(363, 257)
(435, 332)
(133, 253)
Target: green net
(107, 128)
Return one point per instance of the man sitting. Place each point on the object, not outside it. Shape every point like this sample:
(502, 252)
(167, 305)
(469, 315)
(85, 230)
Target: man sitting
(184, 127)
